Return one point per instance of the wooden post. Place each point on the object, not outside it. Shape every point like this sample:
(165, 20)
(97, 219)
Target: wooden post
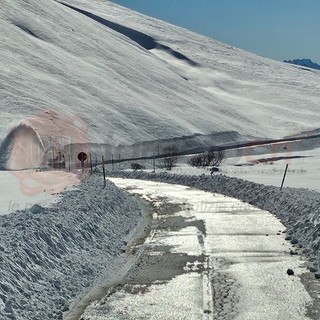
(52, 158)
(112, 162)
(119, 159)
(95, 161)
(154, 163)
(69, 154)
(284, 176)
(90, 162)
(104, 173)
(82, 163)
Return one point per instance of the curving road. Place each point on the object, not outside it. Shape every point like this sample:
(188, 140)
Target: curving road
(207, 257)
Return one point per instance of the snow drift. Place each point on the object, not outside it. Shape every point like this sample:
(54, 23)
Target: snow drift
(49, 256)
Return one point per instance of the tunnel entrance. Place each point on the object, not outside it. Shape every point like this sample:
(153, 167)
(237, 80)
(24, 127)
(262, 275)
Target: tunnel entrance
(55, 158)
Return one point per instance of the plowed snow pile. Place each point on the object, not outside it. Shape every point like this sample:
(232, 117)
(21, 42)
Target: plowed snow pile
(50, 255)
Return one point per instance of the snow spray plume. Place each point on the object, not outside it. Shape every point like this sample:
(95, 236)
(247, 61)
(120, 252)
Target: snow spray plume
(44, 142)
(21, 149)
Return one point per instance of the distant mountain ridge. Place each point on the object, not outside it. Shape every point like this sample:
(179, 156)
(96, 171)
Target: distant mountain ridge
(304, 62)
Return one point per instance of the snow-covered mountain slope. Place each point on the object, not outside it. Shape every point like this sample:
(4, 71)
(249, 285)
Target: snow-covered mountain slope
(111, 75)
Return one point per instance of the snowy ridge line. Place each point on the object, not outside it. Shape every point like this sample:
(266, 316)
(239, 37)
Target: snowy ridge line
(51, 257)
(142, 39)
(298, 209)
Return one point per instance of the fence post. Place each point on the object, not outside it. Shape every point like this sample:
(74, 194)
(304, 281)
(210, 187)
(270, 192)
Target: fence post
(284, 176)
(154, 163)
(69, 154)
(95, 161)
(104, 173)
(90, 162)
(52, 158)
(112, 162)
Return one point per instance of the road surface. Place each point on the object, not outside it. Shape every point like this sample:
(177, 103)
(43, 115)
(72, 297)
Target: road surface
(207, 256)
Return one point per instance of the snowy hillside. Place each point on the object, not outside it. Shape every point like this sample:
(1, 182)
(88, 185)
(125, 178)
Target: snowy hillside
(92, 71)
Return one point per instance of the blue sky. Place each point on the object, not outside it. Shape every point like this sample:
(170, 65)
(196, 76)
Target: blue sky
(279, 29)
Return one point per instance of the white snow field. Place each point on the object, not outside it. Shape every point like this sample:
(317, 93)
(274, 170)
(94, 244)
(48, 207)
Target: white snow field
(92, 71)
(265, 167)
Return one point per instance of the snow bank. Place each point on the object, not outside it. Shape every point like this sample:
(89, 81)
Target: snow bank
(50, 255)
(298, 209)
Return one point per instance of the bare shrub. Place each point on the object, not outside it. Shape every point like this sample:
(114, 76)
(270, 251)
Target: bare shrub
(196, 161)
(170, 157)
(215, 158)
(212, 158)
